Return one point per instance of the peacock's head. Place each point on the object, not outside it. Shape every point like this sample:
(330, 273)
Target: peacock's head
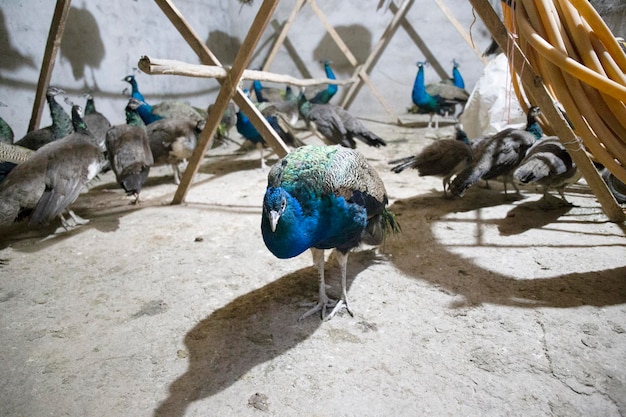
(129, 78)
(274, 205)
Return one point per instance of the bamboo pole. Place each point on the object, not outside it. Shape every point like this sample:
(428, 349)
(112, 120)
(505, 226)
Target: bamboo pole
(57, 26)
(536, 89)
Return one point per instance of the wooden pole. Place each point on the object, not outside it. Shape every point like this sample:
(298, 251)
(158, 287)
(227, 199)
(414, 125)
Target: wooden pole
(57, 26)
(207, 57)
(536, 89)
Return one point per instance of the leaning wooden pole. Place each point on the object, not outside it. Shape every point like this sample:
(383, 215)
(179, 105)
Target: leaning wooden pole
(57, 26)
(536, 89)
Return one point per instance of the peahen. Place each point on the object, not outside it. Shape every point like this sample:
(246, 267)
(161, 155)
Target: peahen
(324, 197)
(548, 164)
(499, 155)
(435, 99)
(97, 123)
(52, 178)
(128, 151)
(61, 124)
(335, 125)
(145, 110)
(443, 158)
(173, 141)
(324, 96)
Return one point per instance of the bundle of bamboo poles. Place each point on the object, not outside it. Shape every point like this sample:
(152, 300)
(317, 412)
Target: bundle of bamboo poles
(583, 67)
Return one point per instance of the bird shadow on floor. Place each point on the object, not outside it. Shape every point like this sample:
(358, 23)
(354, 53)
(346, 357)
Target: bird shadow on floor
(438, 265)
(252, 329)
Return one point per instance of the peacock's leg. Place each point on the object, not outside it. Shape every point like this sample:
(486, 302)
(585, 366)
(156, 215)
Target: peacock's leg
(342, 258)
(324, 301)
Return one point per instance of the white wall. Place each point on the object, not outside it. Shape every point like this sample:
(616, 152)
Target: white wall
(104, 40)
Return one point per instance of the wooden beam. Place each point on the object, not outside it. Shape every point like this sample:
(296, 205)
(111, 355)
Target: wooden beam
(156, 66)
(57, 26)
(536, 89)
(240, 99)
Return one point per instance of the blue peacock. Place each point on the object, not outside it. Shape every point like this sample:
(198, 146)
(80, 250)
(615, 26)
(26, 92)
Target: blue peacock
(324, 96)
(324, 197)
(145, 110)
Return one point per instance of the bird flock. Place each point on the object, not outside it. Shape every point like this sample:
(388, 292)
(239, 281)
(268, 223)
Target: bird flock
(318, 197)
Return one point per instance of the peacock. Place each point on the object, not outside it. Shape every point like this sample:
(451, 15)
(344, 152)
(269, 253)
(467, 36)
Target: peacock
(336, 126)
(128, 151)
(61, 124)
(443, 158)
(173, 141)
(267, 94)
(435, 99)
(499, 155)
(145, 110)
(97, 123)
(457, 78)
(324, 197)
(52, 178)
(548, 164)
(324, 96)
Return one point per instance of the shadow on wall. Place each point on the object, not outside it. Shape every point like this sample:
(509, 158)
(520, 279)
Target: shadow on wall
(82, 44)
(11, 57)
(356, 37)
(224, 46)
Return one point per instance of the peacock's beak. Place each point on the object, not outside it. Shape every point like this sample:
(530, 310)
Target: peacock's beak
(274, 217)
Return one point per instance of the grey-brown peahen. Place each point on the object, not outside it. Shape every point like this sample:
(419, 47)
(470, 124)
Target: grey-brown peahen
(61, 124)
(128, 151)
(335, 125)
(548, 164)
(324, 197)
(52, 178)
(499, 155)
(96, 122)
(173, 141)
(442, 158)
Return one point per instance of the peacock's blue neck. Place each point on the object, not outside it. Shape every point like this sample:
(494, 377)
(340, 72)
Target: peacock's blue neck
(457, 78)
(312, 220)
(332, 88)
(247, 129)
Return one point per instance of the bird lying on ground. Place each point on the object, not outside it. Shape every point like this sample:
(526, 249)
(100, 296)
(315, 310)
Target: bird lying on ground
(499, 155)
(61, 124)
(52, 178)
(128, 151)
(548, 164)
(336, 126)
(324, 197)
(442, 158)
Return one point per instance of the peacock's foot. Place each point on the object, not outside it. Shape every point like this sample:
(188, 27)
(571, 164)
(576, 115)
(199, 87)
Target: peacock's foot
(341, 304)
(320, 306)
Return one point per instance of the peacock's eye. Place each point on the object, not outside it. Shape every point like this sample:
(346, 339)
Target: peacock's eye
(283, 204)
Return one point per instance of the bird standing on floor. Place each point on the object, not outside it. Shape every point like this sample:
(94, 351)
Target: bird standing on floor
(96, 122)
(145, 110)
(336, 126)
(548, 164)
(442, 158)
(128, 151)
(52, 178)
(499, 155)
(324, 197)
(173, 141)
(436, 99)
(324, 96)
(61, 124)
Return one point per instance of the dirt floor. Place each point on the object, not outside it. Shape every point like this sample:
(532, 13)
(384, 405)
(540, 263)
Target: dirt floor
(482, 306)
